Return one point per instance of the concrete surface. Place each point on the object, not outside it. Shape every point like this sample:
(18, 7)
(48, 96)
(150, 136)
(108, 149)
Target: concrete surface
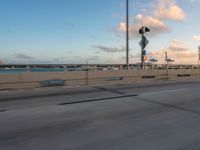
(159, 116)
(32, 79)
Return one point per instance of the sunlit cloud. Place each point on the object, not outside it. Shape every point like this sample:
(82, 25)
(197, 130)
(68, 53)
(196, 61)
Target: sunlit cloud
(163, 10)
(177, 46)
(196, 38)
(168, 9)
(156, 26)
(177, 51)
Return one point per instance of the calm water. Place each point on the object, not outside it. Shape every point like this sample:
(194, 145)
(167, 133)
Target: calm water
(11, 71)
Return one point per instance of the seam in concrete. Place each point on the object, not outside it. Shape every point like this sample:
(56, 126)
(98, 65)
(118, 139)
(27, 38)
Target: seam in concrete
(98, 99)
(169, 105)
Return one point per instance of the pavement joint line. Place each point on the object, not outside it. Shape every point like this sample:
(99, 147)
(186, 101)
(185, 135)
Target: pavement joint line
(169, 105)
(99, 99)
(110, 90)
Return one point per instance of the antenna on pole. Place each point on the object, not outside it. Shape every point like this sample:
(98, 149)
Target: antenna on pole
(127, 34)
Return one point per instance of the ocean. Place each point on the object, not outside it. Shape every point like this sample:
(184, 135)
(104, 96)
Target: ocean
(23, 70)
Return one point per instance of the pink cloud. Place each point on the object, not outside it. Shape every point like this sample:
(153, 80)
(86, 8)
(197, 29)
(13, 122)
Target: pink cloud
(196, 38)
(168, 9)
(153, 23)
(165, 9)
(177, 51)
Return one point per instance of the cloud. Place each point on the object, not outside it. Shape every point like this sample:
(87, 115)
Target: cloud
(178, 46)
(130, 56)
(88, 59)
(192, 1)
(93, 58)
(22, 56)
(177, 51)
(163, 10)
(156, 26)
(196, 38)
(109, 49)
(168, 9)
(60, 59)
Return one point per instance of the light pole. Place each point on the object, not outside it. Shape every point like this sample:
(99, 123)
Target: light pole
(127, 34)
(198, 55)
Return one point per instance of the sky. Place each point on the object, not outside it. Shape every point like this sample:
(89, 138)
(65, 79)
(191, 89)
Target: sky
(80, 31)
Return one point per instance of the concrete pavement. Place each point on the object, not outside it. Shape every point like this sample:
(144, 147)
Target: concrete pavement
(159, 116)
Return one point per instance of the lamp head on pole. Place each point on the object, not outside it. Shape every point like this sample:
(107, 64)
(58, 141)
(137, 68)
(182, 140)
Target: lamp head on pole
(144, 30)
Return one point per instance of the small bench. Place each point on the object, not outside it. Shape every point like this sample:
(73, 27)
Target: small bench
(52, 83)
(114, 78)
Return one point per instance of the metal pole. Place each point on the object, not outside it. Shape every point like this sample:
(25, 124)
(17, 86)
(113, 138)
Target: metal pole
(198, 55)
(86, 73)
(142, 55)
(199, 58)
(167, 66)
(127, 34)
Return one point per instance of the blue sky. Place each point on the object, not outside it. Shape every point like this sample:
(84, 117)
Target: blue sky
(73, 31)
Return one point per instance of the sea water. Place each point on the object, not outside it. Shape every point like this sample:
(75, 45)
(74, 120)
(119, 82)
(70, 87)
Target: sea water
(23, 70)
